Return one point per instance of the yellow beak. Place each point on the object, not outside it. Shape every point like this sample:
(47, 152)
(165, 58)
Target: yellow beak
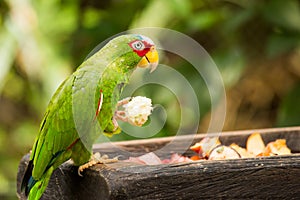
(150, 59)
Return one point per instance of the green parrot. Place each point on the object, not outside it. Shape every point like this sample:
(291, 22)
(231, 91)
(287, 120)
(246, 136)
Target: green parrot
(83, 107)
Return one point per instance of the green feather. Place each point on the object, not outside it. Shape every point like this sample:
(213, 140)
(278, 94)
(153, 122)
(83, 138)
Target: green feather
(108, 70)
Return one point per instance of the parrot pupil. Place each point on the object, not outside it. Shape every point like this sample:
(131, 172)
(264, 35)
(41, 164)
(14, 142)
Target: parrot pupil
(138, 45)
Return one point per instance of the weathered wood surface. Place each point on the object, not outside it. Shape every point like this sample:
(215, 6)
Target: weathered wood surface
(265, 177)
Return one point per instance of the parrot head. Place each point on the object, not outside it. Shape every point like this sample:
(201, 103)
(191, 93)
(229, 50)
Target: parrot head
(136, 50)
(145, 48)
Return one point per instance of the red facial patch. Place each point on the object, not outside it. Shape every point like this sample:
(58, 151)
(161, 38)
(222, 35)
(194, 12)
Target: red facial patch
(140, 47)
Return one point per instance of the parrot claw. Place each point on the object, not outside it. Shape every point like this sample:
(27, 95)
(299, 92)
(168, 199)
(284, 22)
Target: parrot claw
(120, 115)
(97, 159)
(123, 101)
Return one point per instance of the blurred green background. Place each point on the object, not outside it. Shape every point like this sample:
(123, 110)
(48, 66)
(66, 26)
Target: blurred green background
(255, 44)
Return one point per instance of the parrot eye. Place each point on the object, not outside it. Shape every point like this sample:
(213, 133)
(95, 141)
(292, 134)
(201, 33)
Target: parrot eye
(138, 45)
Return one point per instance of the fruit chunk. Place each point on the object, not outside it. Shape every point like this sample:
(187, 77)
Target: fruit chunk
(278, 148)
(242, 151)
(255, 144)
(204, 147)
(222, 152)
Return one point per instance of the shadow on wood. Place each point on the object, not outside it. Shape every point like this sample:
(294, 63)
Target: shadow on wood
(264, 177)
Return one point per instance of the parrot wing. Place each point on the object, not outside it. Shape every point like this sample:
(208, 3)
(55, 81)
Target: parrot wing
(70, 115)
(57, 130)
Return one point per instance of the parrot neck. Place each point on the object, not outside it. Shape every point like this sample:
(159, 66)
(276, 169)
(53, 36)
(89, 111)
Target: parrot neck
(118, 72)
(113, 79)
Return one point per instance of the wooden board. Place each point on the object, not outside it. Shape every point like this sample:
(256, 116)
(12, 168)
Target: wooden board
(264, 177)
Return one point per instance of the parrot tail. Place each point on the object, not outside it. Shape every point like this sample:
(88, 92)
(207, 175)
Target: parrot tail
(40, 186)
(34, 189)
(28, 181)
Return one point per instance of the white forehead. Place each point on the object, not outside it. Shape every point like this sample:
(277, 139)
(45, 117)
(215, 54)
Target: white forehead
(145, 38)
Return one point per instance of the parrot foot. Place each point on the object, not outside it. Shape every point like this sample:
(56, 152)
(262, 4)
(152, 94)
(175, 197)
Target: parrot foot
(120, 114)
(97, 158)
(123, 101)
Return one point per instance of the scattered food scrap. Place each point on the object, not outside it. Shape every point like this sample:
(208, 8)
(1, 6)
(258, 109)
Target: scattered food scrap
(222, 152)
(210, 148)
(176, 158)
(255, 144)
(204, 147)
(147, 159)
(152, 159)
(277, 148)
(242, 151)
(255, 147)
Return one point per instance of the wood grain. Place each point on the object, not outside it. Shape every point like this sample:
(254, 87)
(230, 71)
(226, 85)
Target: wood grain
(265, 177)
